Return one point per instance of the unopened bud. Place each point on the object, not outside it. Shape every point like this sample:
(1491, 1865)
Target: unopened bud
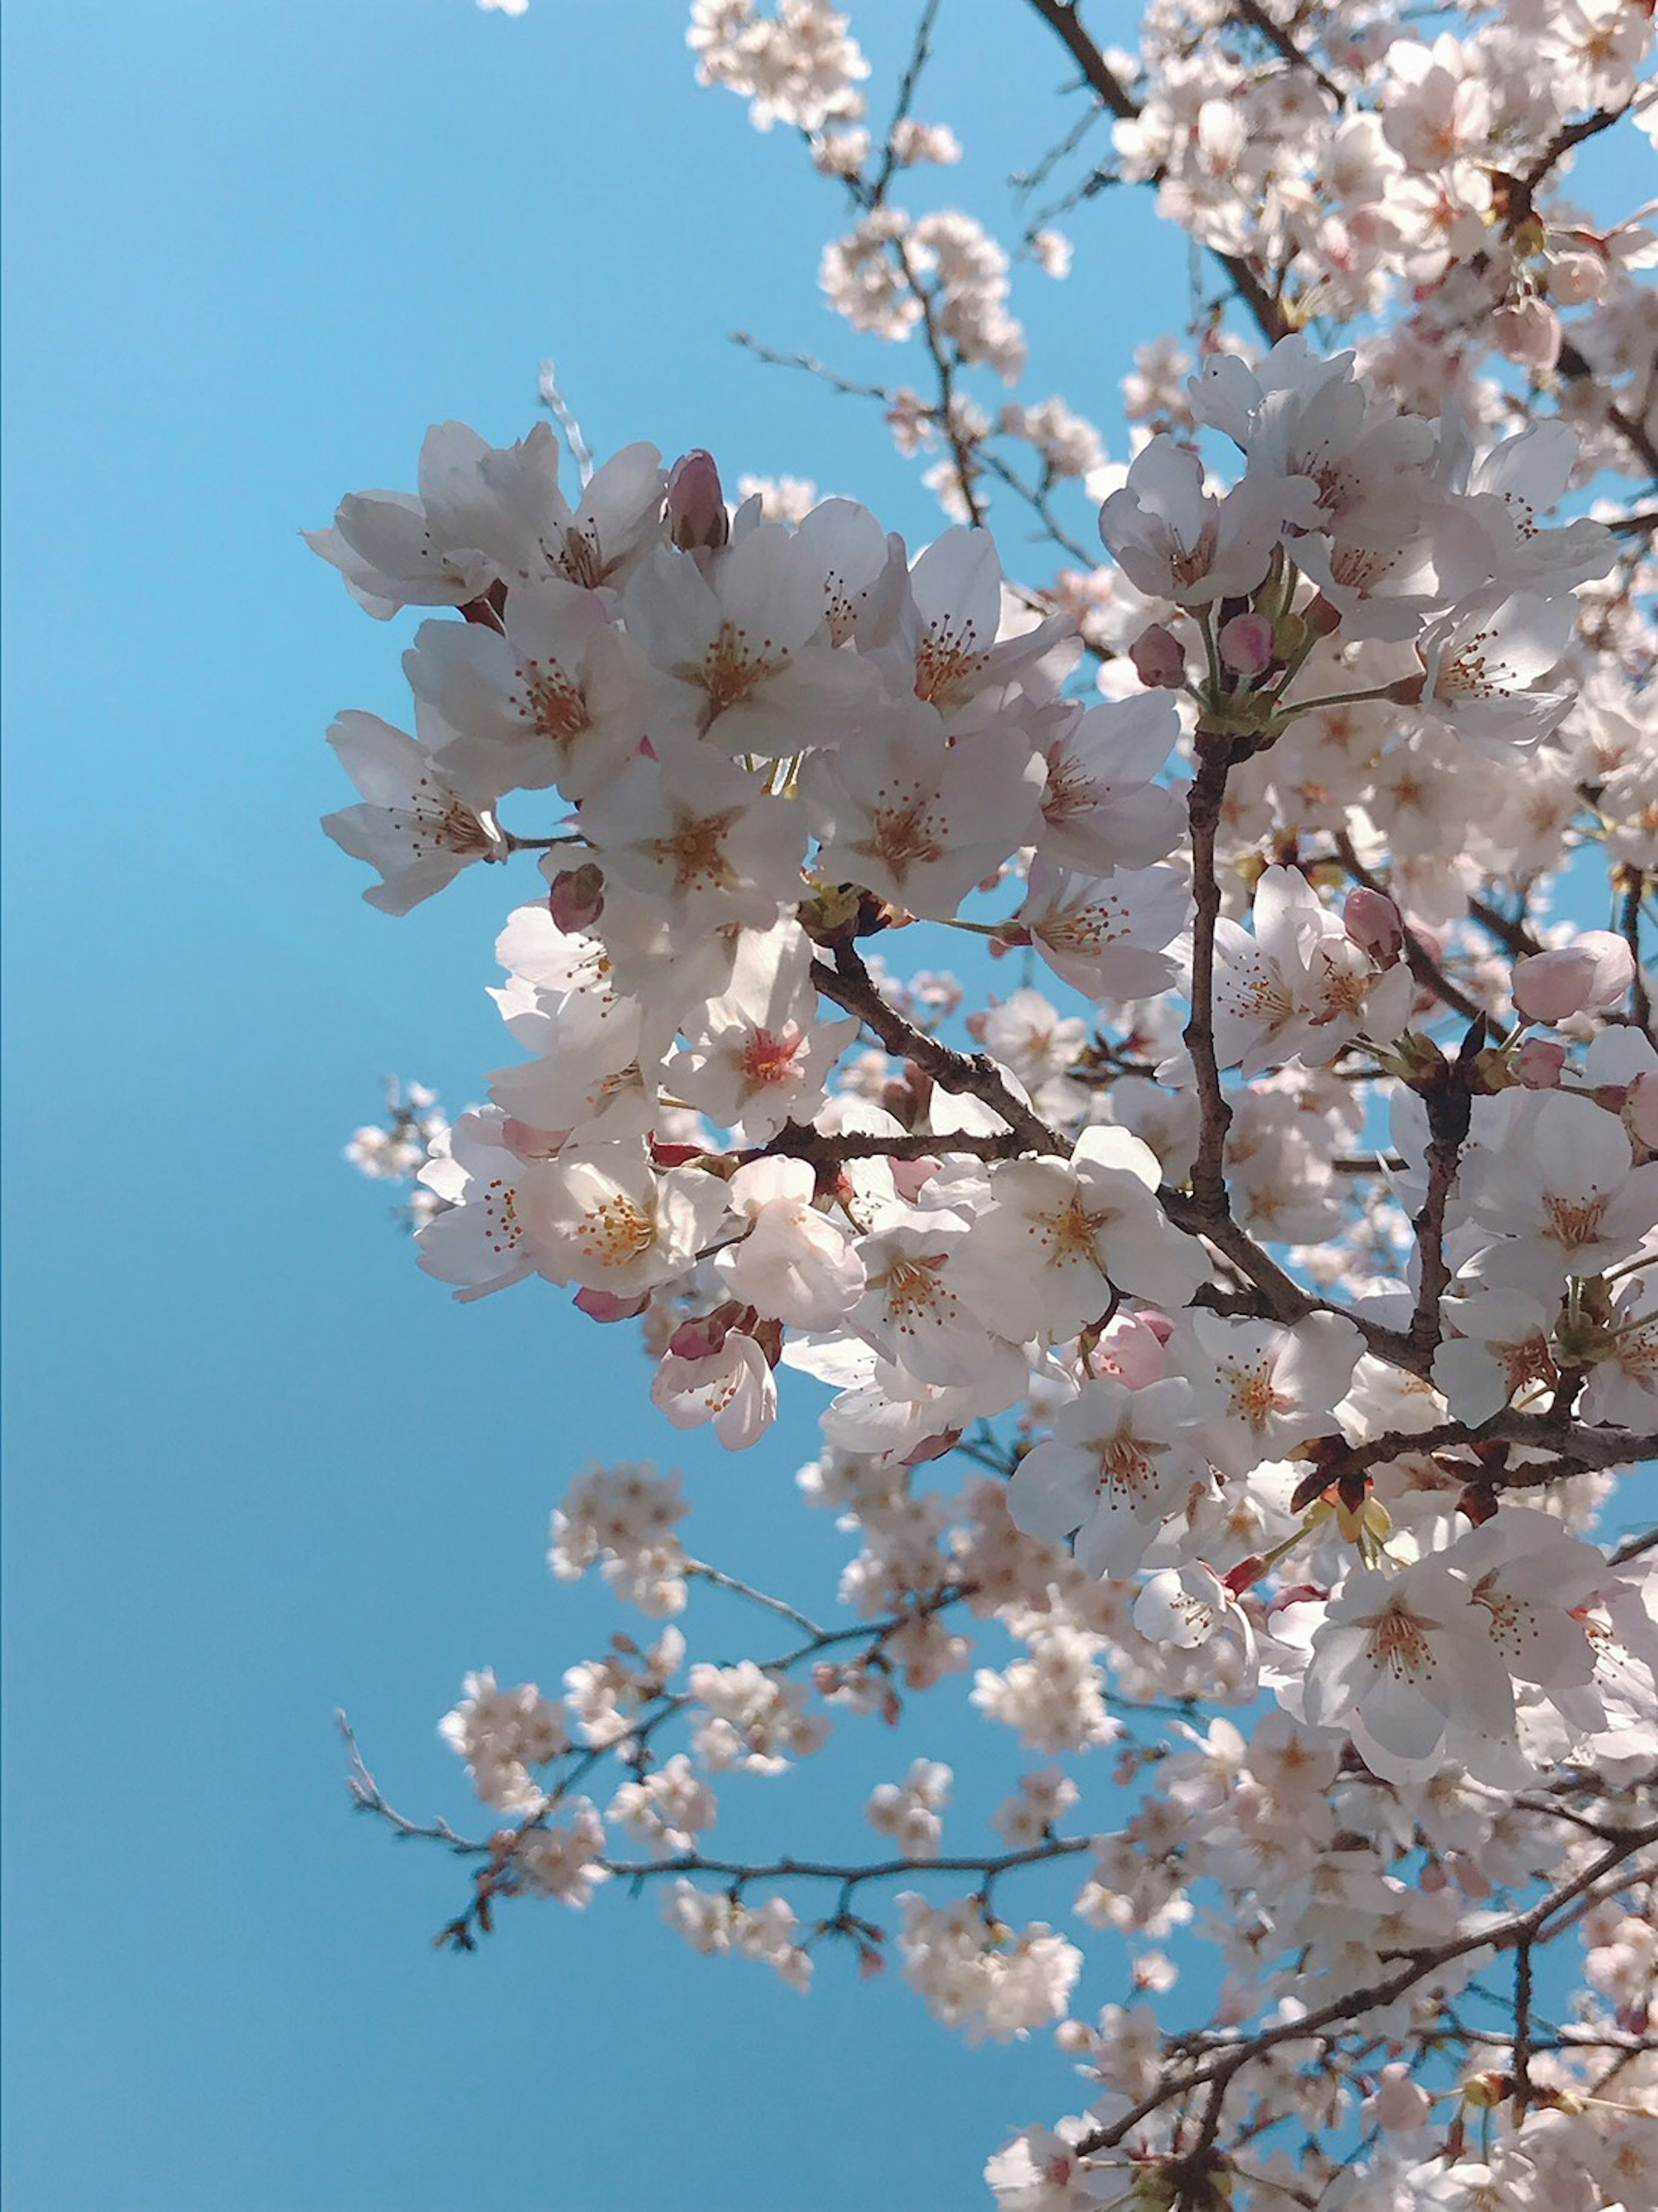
(1588, 975)
(577, 899)
(1247, 645)
(605, 1305)
(1640, 1110)
(1529, 333)
(1159, 658)
(1538, 1063)
(1374, 924)
(697, 504)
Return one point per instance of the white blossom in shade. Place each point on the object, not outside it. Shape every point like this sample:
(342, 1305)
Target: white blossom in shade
(909, 1811)
(1118, 1463)
(795, 1265)
(750, 1719)
(561, 695)
(397, 549)
(413, 826)
(1563, 1185)
(948, 650)
(1062, 1239)
(1105, 935)
(1400, 1654)
(915, 818)
(560, 1858)
(1529, 1577)
(912, 1313)
(1501, 1346)
(616, 1223)
(740, 639)
(1174, 543)
(1101, 809)
(981, 1976)
(760, 1056)
(1188, 1606)
(1623, 1384)
(1042, 2171)
(1300, 987)
(561, 1003)
(1279, 1387)
(699, 835)
(1488, 538)
(491, 1230)
(1480, 660)
(625, 1517)
(865, 576)
(666, 1810)
(501, 1734)
(730, 1387)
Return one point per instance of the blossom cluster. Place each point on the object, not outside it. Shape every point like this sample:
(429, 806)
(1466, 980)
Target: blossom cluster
(1280, 1254)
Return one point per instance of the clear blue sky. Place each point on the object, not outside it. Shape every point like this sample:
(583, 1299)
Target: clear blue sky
(257, 1466)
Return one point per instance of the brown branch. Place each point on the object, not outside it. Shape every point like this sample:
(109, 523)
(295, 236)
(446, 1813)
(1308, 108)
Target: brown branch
(973, 1075)
(1513, 936)
(1204, 800)
(1573, 1448)
(1284, 47)
(1062, 16)
(1632, 886)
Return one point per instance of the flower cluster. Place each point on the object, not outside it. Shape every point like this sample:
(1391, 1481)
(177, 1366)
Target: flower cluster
(1277, 1247)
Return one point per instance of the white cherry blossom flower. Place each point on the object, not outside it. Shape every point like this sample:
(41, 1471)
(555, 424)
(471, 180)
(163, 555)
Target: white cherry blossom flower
(1401, 1653)
(1118, 1463)
(413, 825)
(916, 819)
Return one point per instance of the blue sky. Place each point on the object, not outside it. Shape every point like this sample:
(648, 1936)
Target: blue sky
(257, 1466)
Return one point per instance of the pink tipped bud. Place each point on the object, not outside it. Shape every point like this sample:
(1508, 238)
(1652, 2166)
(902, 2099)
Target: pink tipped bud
(1159, 659)
(1247, 645)
(1529, 333)
(1538, 1063)
(704, 1336)
(1375, 925)
(1587, 976)
(697, 504)
(604, 1305)
(1640, 1110)
(577, 899)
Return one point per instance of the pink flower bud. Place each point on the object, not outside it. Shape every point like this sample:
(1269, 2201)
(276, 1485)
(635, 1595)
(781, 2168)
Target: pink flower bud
(1640, 1110)
(605, 1305)
(1538, 1063)
(697, 504)
(1247, 645)
(577, 899)
(1159, 659)
(1529, 333)
(1587, 976)
(1374, 924)
(703, 1338)
(1399, 2103)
